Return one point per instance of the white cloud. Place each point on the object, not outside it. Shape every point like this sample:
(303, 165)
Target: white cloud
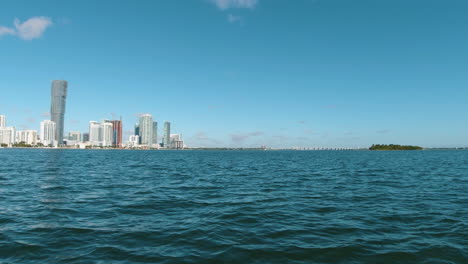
(6, 31)
(227, 4)
(32, 28)
(29, 29)
(233, 19)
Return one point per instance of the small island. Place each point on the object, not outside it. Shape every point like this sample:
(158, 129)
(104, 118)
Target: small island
(394, 147)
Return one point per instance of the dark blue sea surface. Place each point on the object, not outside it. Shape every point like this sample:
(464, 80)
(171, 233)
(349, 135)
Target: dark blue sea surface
(117, 206)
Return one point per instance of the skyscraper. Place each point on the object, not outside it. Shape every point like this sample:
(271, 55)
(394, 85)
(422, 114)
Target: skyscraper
(7, 134)
(57, 107)
(85, 137)
(107, 134)
(47, 133)
(2, 121)
(167, 135)
(137, 129)
(116, 132)
(137, 132)
(146, 130)
(155, 132)
(95, 133)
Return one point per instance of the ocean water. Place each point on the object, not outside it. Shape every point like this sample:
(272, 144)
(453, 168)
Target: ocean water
(117, 206)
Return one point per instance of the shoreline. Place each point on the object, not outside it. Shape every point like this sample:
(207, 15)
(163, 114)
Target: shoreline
(229, 149)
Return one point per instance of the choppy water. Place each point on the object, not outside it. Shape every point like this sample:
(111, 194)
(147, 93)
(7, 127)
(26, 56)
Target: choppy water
(77, 206)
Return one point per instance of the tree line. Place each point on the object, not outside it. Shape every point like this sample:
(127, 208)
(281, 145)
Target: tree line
(394, 147)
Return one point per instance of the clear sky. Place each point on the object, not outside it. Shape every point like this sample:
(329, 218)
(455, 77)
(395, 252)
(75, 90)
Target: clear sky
(338, 73)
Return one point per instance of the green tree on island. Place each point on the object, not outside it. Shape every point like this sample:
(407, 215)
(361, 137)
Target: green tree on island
(394, 147)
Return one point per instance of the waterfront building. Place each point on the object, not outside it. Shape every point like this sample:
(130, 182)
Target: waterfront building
(137, 129)
(83, 145)
(137, 132)
(133, 141)
(95, 133)
(57, 108)
(7, 135)
(155, 134)
(116, 132)
(74, 136)
(2, 121)
(176, 141)
(107, 134)
(167, 135)
(27, 136)
(47, 133)
(146, 130)
(85, 137)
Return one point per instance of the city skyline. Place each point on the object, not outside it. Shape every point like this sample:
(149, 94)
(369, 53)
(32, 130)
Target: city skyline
(104, 134)
(107, 133)
(347, 75)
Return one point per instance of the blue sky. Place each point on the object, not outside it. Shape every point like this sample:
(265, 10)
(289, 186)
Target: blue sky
(280, 73)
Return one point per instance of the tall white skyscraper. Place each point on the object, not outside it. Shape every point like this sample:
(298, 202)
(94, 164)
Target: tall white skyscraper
(27, 136)
(47, 133)
(2, 121)
(7, 135)
(95, 133)
(146, 130)
(107, 134)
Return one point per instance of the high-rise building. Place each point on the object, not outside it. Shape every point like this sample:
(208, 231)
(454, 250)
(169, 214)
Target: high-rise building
(176, 141)
(116, 132)
(57, 108)
(167, 135)
(137, 129)
(155, 133)
(95, 133)
(27, 136)
(107, 134)
(146, 130)
(7, 135)
(137, 132)
(2, 121)
(74, 136)
(47, 133)
(85, 137)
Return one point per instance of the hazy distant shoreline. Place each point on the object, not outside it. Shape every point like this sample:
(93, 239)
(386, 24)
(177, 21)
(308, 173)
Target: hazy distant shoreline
(229, 149)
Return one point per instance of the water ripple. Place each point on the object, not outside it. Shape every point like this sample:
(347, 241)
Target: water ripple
(233, 206)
